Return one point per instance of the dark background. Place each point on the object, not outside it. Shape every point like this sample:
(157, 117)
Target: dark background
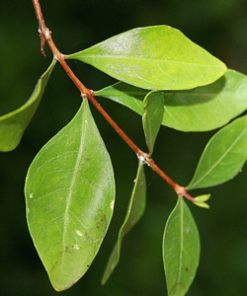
(220, 27)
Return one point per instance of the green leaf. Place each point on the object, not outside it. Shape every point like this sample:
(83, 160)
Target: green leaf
(200, 109)
(207, 107)
(155, 58)
(153, 105)
(70, 193)
(135, 210)
(223, 157)
(181, 249)
(13, 124)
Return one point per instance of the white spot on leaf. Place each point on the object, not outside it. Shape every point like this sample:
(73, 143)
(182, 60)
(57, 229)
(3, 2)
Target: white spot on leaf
(31, 195)
(78, 232)
(76, 247)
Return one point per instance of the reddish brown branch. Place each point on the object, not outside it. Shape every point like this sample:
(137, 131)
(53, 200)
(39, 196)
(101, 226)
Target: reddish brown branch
(45, 36)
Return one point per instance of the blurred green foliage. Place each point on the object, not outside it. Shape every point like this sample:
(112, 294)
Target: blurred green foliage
(218, 26)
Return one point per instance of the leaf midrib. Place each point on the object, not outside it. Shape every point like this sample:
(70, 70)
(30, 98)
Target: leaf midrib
(103, 56)
(73, 179)
(220, 159)
(181, 240)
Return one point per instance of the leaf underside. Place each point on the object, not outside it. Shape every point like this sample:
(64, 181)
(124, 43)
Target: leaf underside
(135, 211)
(70, 193)
(181, 249)
(14, 124)
(154, 58)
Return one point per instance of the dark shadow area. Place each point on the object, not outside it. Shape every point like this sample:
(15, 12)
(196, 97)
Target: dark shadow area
(195, 96)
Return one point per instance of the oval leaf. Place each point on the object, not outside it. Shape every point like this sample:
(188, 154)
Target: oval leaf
(153, 105)
(181, 249)
(155, 58)
(223, 157)
(135, 210)
(70, 193)
(13, 124)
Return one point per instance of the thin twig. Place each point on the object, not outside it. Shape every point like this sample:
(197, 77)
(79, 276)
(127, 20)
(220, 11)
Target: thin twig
(45, 36)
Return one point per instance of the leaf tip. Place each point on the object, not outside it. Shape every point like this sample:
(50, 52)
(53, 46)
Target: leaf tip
(202, 205)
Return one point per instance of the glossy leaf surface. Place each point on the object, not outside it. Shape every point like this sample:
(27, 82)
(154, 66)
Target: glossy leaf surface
(201, 109)
(155, 58)
(153, 105)
(223, 157)
(135, 210)
(13, 124)
(181, 249)
(70, 192)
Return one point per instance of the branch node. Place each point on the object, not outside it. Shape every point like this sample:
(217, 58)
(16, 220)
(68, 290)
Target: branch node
(47, 33)
(143, 157)
(84, 96)
(183, 192)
